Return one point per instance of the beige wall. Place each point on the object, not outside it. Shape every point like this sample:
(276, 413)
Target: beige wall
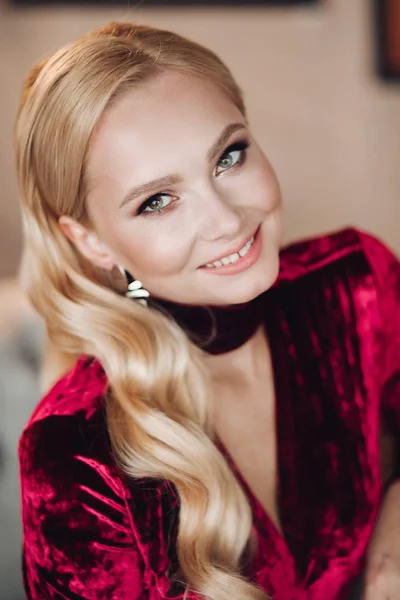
(331, 129)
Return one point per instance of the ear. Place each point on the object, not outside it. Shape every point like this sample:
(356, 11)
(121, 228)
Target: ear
(87, 242)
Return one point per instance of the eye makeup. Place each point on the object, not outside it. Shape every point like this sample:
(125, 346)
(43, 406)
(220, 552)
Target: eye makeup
(241, 147)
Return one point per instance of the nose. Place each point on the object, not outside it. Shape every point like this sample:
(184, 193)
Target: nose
(218, 216)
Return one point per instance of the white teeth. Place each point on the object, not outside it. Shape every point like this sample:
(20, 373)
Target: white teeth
(227, 260)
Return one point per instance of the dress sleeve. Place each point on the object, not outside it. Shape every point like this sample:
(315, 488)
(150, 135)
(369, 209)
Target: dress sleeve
(385, 268)
(79, 543)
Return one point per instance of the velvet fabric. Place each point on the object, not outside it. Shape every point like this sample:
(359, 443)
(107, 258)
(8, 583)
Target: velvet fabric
(216, 329)
(333, 321)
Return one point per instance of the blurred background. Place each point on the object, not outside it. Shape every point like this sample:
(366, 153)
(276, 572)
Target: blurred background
(321, 81)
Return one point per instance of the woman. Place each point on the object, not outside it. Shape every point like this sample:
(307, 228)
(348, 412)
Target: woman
(219, 431)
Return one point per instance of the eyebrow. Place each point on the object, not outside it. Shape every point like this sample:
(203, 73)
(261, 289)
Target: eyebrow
(168, 180)
(218, 146)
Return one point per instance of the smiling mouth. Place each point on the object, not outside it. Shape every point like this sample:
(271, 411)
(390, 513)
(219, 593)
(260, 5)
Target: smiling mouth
(232, 258)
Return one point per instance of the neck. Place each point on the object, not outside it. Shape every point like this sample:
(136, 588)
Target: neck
(217, 329)
(242, 365)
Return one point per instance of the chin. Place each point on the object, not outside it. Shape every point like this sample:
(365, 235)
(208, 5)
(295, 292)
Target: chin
(262, 276)
(258, 281)
(261, 284)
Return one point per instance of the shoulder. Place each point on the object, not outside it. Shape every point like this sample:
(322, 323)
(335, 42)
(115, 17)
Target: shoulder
(68, 427)
(69, 422)
(81, 515)
(81, 390)
(334, 250)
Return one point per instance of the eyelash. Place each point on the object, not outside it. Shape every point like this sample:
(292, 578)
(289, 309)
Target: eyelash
(241, 146)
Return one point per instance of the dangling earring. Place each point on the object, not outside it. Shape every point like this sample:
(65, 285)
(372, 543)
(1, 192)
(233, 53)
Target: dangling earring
(133, 287)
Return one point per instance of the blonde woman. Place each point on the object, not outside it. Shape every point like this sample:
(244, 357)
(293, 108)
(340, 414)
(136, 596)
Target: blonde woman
(218, 435)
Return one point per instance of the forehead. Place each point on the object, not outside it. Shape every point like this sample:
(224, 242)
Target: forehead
(174, 113)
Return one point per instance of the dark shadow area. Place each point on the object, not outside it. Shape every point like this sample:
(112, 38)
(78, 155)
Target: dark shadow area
(387, 34)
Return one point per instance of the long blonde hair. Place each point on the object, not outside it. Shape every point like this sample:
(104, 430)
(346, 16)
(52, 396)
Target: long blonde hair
(158, 398)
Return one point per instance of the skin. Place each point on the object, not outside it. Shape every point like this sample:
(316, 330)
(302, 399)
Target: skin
(167, 127)
(148, 134)
(382, 580)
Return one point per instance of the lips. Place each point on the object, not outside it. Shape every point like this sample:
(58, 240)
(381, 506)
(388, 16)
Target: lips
(232, 250)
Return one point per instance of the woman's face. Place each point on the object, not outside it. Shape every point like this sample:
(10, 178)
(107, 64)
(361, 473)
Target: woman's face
(175, 182)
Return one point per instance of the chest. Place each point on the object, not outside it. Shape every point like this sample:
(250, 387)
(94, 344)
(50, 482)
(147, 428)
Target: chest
(246, 426)
(303, 435)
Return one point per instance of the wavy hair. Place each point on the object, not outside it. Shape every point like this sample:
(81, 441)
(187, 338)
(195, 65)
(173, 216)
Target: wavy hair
(158, 407)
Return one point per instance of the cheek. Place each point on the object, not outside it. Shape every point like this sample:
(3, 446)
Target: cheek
(264, 185)
(153, 251)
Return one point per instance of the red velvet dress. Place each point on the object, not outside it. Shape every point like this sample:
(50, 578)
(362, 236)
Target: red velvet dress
(333, 323)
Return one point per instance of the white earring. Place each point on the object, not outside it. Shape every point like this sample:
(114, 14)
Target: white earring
(135, 289)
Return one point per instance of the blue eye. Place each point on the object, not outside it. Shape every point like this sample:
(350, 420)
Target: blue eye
(155, 204)
(234, 155)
